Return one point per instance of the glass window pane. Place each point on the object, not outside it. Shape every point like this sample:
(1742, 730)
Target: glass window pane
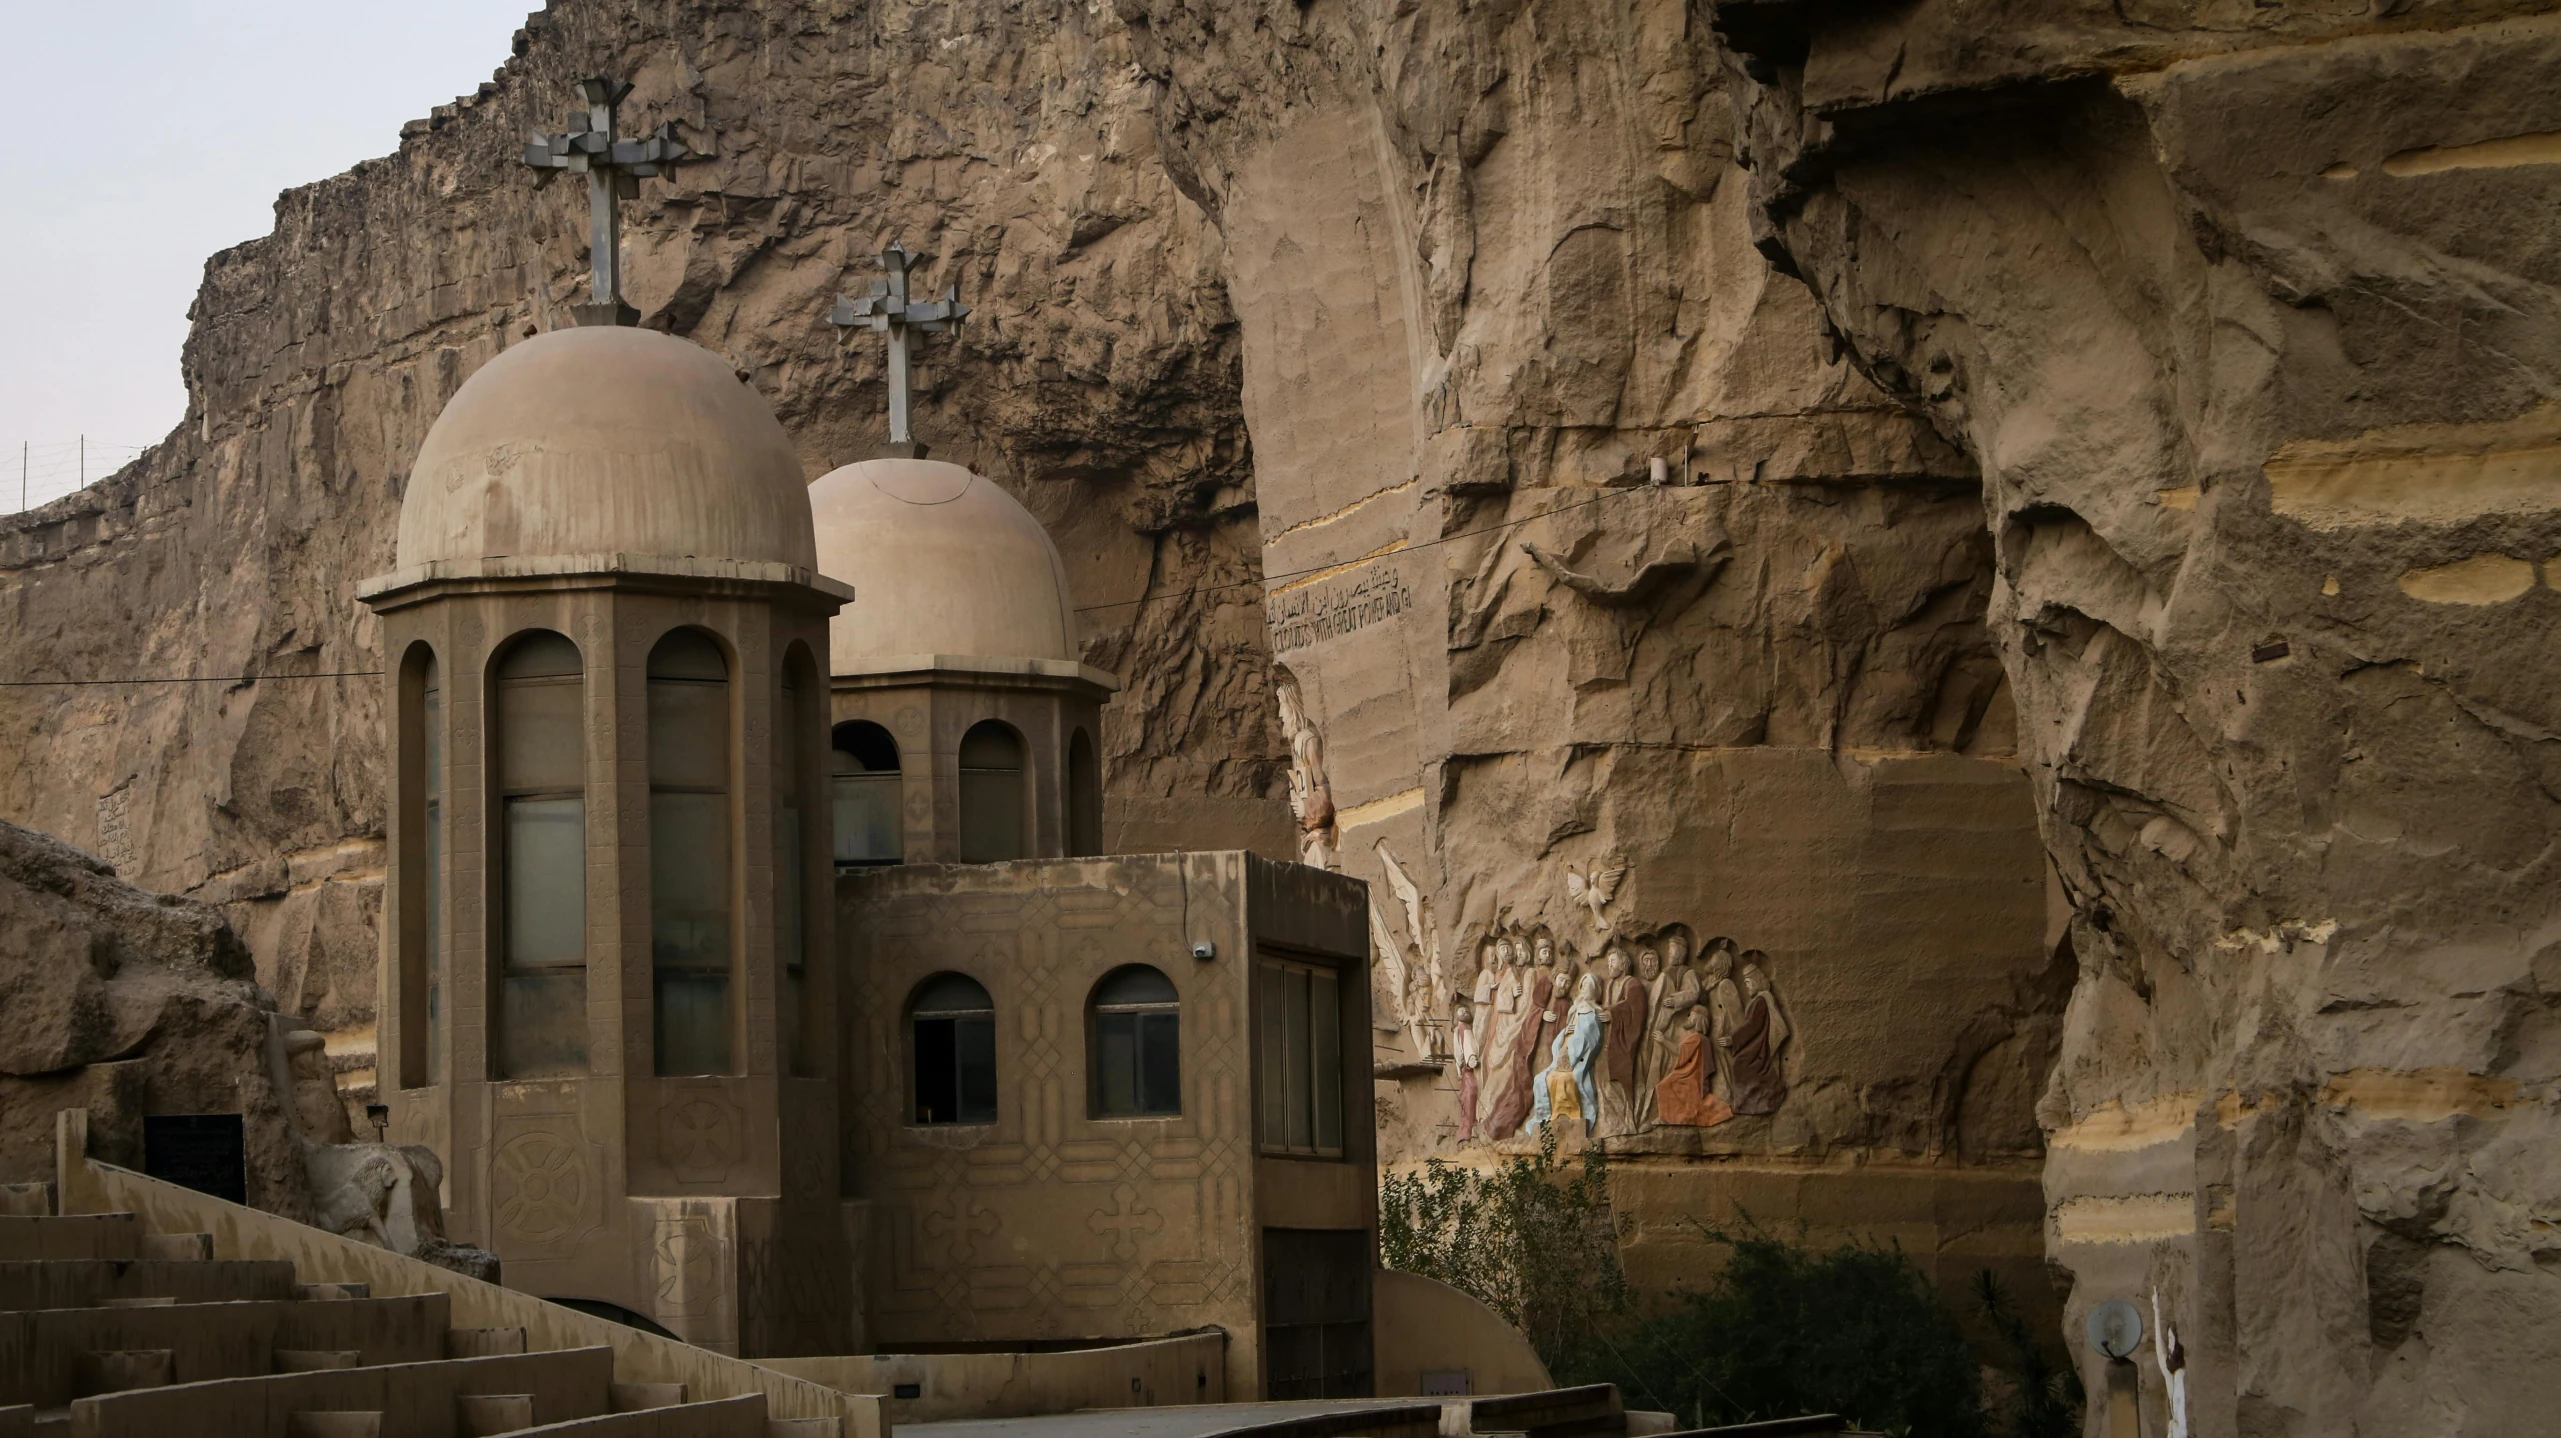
(544, 1033)
(546, 882)
(1325, 1059)
(1275, 1039)
(688, 733)
(952, 994)
(692, 1007)
(1302, 1118)
(689, 880)
(542, 734)
(977, 1051)
(867, 819)
(991, 815)
(1116, 1064)
(1160, 1064)
(1136, 984)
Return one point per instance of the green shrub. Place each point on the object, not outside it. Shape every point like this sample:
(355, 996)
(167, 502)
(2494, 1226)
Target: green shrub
(1537, 1245)
(1786, 1330)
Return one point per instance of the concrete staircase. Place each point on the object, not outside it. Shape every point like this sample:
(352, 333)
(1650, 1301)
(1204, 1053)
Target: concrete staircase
(107, 1331)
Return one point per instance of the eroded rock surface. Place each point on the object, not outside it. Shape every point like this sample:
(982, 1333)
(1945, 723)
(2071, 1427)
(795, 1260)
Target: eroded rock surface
(1620, 615)
(2248, 317)
(127, 1003)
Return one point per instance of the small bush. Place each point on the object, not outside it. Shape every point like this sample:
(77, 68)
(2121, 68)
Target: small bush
(1536, 1245)
(1786, 1330)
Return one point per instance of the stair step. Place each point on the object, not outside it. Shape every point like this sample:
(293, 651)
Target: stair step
(95, 1283)
(334, 1423)
(331, 1292)
(26, 1200)
(85, 1235)
(177, 1247)
(483, 1342)
(739, 1417)
(485, 1415)
(316, 1360)
(158, 1300)
(638, 1397)
(123, 1370)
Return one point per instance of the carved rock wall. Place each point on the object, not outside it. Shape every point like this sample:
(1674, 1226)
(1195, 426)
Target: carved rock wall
(2249, 318)
(1619, 614)
(1098, 381)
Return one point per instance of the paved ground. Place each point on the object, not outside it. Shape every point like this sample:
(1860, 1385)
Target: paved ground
(1189, 1421)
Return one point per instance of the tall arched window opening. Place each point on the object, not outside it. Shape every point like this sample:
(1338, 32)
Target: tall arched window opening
(991, 794)
(1134, 1040)
(864, 760)
(951, 1033)
(791, 854)
(420, 923)
(689, 866)
(1084, 796)
(542, 798)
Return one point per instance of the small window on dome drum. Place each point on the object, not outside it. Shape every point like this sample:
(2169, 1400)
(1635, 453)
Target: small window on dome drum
(1084, 796)
(991, 794)
(689, 859)
(868, 792)
(951, 1034)
(542, 795)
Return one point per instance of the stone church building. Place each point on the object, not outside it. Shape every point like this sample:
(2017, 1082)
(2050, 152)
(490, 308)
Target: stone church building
(751, 960)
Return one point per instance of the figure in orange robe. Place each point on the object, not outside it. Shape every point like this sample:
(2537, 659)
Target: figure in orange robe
(1684, 1096)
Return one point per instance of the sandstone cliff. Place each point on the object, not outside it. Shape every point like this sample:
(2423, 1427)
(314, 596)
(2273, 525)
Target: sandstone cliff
(2247, 318)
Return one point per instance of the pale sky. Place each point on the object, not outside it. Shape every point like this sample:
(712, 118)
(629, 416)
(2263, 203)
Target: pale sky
(136, 139)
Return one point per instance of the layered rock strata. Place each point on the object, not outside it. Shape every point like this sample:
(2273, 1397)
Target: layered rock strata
(2249, 319)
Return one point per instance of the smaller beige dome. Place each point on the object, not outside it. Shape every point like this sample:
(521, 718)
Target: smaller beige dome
(942, 561)
(606, 440)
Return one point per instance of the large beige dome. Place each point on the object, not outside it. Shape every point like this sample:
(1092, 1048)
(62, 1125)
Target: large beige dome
(606, 440)
(943, 562)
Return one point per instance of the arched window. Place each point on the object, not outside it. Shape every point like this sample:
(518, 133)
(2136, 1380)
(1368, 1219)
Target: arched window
(689, 852)
(542, 836)
(952, 1034)
(421, 919)
(1084, 796)
(869, 830)
(1135, 1039)
(991, 794)
(791, 737)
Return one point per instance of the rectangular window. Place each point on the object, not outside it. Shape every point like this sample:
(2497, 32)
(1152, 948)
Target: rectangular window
(1299, 1031)
(956, 1070)
(1138, 1065)
(1316, 1313)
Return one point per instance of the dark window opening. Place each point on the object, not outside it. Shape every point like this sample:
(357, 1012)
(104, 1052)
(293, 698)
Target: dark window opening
(952, 1034)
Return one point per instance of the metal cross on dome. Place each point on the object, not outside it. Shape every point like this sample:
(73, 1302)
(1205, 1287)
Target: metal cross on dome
(887, 309)
(614, 168)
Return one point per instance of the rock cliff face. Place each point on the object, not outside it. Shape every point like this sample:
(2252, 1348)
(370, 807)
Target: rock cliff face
(2081, 640)
(1619, 616)
(1099, 383)
(2247, 318)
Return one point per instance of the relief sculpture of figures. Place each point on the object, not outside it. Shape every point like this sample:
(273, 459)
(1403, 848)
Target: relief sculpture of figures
(1311, 799)
(1419, 996)
(1638, 1038)
(1623, 1005)
(1752, 1051)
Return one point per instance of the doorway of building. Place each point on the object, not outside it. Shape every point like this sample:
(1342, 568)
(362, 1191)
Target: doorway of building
(1316, 1340)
